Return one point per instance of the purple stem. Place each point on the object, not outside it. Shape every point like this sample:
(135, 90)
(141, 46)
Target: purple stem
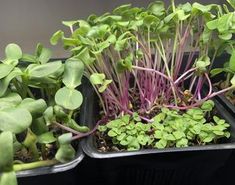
(182, 45)
(66, 128)
(80, 135)
(152, 70)
(199, 86)
(209, 83)
(192, 83)
(209, 96)
(221, 91)
(184, 74)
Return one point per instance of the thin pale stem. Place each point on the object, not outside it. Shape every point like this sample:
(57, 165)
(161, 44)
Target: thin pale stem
(184, 75)
(66, 128)
(28, 166)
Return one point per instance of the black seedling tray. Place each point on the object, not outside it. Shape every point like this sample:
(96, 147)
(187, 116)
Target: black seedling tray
(174, 166)
(219, 61)
(55, 168)
(225, 103)
(89, 113)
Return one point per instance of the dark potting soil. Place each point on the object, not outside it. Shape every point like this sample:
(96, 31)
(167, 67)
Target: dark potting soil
(46, 151)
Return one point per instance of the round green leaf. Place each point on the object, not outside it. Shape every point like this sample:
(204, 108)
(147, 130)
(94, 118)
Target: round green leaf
(85, 56)
(8, 178)
(111, 133)
(69, 23)
(102, 128)
(133, 145)
(226, 36)
(73, 73)
(68, 98)
(5, 69)
(29, 58)
(232, 61)
(201, 8)
(65, 138)
(161, 144)
(217, 71)
(10, 100)
(208, 105)
(142, 139)
(15, 120)
(65, 153)
(43, 70)
(4, 83)
(45, 55)
(13, 51)
(182, 143)
(49, 115)
(56, 37)
(104, 86)
(60, 112)
(35, 107)
(150, 19)
(97, 78)
(46, 138)
(6, 154)
(178, 134)
(209, 138)
(158, 134)
(122, 8)
(157, 8)
(39, 126)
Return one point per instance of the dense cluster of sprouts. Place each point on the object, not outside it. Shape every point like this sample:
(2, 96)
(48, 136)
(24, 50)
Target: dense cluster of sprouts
(136, 58)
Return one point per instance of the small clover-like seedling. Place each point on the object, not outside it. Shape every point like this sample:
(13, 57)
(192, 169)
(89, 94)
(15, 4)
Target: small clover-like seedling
(170, 129)
(208, 105)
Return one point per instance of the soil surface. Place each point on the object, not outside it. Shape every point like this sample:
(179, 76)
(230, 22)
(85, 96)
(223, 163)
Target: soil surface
(46, 151)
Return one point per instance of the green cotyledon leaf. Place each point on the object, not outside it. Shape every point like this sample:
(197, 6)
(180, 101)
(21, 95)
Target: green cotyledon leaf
(70, 99)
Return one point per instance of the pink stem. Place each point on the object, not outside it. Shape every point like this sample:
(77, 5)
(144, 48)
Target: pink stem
(221, 91)
(209, 96)
(152, 70)
(184, 74)
(66, 128)
(80, 135)
(209, 83)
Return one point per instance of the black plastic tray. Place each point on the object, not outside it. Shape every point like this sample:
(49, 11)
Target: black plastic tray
(55, 168)
(219, 61)
(89, 113)
(226, 103)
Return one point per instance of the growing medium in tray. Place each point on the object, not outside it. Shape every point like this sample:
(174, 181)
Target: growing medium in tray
(150, 90)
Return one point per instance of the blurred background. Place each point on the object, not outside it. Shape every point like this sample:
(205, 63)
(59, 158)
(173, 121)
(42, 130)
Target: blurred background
(27, 22)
